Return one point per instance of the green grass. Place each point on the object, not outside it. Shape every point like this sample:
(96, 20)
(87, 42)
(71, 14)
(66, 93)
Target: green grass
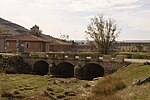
(126, 75)
(133, 71)
(24, 84)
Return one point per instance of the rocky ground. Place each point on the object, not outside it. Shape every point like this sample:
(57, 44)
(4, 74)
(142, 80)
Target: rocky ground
(33, 87)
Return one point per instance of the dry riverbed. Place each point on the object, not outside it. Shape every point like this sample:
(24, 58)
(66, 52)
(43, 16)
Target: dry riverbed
(34, 87)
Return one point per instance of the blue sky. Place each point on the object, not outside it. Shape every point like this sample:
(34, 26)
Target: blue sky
(72, 16)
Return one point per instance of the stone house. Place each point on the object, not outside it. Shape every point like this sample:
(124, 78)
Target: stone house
(26, 43)
(61, 46)
(3, 36)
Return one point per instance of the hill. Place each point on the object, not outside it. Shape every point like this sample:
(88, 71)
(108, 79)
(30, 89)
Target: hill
(7, 27)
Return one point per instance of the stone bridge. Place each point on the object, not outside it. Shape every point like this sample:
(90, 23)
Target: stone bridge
(82, 66)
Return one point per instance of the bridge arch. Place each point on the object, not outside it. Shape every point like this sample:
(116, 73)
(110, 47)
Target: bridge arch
(65, 69)
(92, 70)
(40, 67)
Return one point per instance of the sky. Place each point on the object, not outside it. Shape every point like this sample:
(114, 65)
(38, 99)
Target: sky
(71, 17)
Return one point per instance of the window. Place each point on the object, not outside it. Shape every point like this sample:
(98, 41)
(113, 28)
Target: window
(27, 45)
(40, 47)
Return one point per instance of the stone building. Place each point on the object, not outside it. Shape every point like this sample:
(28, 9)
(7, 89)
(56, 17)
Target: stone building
(61, 46)
(3, 36)
(134, 46)
(26, 43)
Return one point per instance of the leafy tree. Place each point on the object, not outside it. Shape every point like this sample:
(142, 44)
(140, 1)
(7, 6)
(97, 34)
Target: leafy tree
(104, 32)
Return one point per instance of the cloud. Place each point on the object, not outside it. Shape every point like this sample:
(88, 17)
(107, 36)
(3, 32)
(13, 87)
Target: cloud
(91, 5)
(68, 16)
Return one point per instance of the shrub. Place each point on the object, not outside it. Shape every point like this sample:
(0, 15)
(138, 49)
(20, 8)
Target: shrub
(108, 85)
(10, 70)
(14, 64)
(106, 89)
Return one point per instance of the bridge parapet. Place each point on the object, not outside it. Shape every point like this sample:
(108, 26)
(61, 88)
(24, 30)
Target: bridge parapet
(107, 58)
(119, 58)
(74, 56)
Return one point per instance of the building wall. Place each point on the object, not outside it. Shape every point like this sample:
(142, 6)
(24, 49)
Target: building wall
(27, 46)
(33, 46)
(134, 47)
(2, 49)
(11, 46)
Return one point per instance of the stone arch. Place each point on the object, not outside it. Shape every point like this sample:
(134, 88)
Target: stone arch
(65, 69)
(92, 70)
(41, 67)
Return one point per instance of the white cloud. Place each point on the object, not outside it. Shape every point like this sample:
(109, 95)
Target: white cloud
(68, 16)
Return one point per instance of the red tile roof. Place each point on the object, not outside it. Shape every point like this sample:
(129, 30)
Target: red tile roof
(61, 42)
(27, 38)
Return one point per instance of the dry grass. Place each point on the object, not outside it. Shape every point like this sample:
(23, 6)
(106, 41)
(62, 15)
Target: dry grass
(108, 86)
(104, 97)
(5, 92)
(112, 88)
(105, 89)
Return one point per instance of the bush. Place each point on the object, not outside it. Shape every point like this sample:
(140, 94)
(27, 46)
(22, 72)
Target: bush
(106, 89)
(108, 86)
(14, 64)
(10, 70)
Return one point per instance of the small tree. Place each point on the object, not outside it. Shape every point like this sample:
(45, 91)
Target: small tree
(64, 36)
(35, 30)
(104, 32)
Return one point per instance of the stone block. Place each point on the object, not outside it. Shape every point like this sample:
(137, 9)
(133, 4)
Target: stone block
(24, 54)
(106, 58)
(42, 55)
(119, 58)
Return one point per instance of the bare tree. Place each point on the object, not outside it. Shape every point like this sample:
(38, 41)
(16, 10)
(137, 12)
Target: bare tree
(64, 36)
(104, 32)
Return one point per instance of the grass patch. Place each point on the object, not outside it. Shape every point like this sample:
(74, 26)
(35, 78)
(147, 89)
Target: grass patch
(106, 89)
(5, 92)
(25, 85)
(133, 71)
(113, 88)
(108, 86)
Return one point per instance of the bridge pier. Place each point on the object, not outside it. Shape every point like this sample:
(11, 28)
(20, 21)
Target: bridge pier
(78, 71)
(52, 69)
